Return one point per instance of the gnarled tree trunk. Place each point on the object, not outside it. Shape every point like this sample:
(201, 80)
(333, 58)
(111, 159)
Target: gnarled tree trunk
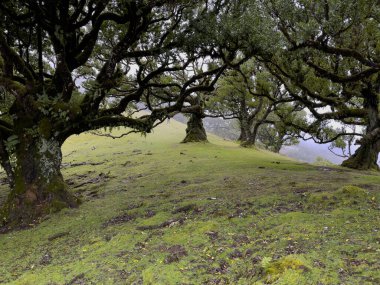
(195, 131)
(367, 154)
(39, 187)
(243, 135)
(245, 130)
(251, 139)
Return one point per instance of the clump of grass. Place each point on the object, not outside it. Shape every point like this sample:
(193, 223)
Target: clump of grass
(274, 269)
(352, 192)
(345, 196)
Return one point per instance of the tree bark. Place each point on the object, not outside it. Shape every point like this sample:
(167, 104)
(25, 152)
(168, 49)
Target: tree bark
(250, 141)
(245, 139)
(243, 135)
(6, 164)
(39, 186)
(367, 154)
(245, 127)
(245, 132)
(251, 135)
(195, 131)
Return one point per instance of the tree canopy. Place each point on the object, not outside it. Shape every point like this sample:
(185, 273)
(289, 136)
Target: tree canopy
(122, 53)
(330, 65)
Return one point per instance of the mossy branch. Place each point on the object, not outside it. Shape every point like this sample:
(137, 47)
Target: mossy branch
(20, 65)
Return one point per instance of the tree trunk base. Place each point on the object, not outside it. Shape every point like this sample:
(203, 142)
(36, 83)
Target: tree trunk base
(39, 187)
(365, 158)
(195, 131)
(29, 204)
(195, 136)
(355, 163)
(30, 207)
(247, 144)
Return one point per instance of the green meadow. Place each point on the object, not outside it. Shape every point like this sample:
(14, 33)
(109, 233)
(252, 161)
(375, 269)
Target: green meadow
(155, 211)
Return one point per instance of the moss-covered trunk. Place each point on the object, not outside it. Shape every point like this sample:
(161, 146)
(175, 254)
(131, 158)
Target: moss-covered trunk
(39, 186)
(245, 138)
(251, 135)
(245, 126)
(243, 135)
(195, 131)
(250, 141)
(366, 155)
(244, 132)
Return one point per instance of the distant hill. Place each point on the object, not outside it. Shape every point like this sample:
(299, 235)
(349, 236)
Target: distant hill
(308, 151)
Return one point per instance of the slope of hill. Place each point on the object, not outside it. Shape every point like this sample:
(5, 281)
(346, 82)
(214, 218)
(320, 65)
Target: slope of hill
(307, 151)
(156, 211)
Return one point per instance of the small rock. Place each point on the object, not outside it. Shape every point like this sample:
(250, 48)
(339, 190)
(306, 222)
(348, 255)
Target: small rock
(46, 259)
(150, 213)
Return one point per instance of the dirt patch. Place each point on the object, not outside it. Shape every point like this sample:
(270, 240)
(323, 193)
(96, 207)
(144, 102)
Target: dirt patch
(132, 178)
(176, 252)
(241, 239)
(78, 280)
(70, 153)
(119, 220)
(185, 209)
(129, 163)
(293, 248)
(136, 152)
(101, 177)
(221, 269)
(287, 207)
(213, 236)
(72, 164)
(169, 223)
(236, 254)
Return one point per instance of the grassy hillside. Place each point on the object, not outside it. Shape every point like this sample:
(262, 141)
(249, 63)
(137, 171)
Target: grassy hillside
(159, 212)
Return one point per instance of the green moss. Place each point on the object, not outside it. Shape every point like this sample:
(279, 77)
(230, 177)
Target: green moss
(345, 196)
(45, 128)
(322, 200)
(56, 206)
(161, 274)
(352, 192)
(249, 204)
(273, 270)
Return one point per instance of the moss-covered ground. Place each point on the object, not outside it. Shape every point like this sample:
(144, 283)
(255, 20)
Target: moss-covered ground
(156, 211)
